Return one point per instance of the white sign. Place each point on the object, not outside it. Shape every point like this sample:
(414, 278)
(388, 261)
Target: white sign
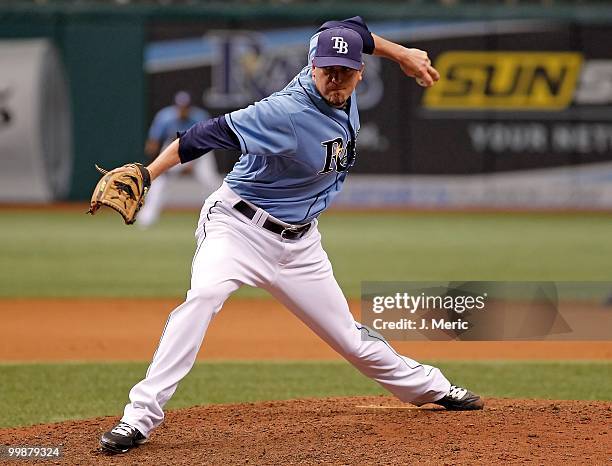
(35, 128)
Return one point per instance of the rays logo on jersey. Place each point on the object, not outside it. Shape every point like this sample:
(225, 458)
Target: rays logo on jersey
(338, 154)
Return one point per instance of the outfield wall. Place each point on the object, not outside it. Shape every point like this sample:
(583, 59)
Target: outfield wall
(102, 58)
(35, 132)
(522, 116)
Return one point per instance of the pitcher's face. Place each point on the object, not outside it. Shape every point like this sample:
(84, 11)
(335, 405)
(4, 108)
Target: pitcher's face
(336, 83)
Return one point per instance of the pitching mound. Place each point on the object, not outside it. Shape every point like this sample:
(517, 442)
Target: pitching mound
(350, 431)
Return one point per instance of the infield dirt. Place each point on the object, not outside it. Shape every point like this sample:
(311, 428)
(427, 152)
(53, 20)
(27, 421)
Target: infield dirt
(358, 430)
(368, 430)
(254, 329)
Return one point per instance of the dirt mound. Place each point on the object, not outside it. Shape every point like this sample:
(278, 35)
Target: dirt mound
(349, 431)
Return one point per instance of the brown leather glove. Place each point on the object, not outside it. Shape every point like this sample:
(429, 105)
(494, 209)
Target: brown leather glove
(122, 189)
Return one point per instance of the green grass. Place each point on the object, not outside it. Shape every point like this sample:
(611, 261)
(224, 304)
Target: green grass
(41, 393)
(69, 254)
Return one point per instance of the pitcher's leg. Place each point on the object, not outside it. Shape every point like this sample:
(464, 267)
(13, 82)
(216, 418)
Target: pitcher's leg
(225, 259)
(175, 355)
(315, 297)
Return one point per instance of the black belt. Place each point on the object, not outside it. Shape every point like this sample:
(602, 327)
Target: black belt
(292, 232)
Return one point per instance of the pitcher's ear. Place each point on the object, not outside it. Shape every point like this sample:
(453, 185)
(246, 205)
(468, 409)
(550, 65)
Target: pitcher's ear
(363, 66)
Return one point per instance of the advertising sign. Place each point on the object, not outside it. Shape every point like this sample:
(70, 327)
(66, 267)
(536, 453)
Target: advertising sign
(520, 103)
(35, 130)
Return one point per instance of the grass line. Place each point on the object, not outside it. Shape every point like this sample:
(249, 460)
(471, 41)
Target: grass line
(66, 254)
(42, 393)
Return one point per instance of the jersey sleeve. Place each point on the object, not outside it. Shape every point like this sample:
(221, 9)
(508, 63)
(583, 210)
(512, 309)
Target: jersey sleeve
(264, 128)
(204, 137)
(357, 24)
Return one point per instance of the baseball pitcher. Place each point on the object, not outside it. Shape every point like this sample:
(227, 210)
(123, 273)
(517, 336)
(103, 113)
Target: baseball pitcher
(260, 227)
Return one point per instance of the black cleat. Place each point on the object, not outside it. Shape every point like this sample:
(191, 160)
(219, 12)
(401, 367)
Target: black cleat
(460, 399)
(122, 438)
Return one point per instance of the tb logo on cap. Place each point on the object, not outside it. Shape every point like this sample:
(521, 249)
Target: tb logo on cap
(340, 45)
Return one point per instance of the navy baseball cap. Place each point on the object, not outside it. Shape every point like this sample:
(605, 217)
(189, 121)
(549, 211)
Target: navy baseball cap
(338, 47)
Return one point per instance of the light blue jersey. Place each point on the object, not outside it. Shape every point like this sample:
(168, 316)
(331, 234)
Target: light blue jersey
(167, 123)
(296, 150)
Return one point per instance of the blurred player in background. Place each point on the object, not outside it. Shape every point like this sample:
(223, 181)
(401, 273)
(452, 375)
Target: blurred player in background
(167, 122)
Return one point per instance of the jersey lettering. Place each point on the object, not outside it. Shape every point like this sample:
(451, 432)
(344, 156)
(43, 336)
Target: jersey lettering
(337, 154)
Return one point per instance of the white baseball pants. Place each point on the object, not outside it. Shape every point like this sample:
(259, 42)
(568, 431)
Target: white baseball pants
(205, 172)
(233, 250)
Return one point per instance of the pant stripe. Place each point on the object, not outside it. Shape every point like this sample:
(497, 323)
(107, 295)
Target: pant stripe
(388, 346)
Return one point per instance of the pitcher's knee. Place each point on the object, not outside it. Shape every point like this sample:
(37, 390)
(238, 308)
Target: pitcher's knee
(364, 355)
(353, 348)
(364, 350)
(209, 298)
